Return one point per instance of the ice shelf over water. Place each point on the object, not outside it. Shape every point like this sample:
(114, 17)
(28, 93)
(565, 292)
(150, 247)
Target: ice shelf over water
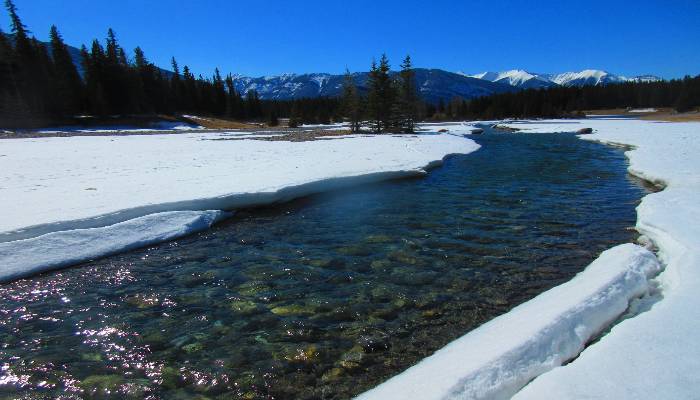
(54, 190)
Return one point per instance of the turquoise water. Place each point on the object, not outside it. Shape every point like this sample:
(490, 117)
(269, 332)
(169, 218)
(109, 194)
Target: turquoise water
(327, 296)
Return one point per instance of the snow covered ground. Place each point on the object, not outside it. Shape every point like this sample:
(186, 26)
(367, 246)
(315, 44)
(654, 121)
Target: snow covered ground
(55, 191)
(653, 354)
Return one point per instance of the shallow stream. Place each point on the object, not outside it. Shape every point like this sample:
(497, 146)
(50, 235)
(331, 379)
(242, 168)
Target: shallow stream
(327, 296)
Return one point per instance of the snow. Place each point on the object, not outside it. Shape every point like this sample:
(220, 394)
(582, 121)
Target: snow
(522, 78)
(588, 76)
(643, 110)
(63, 184)
(498, 358)
(58, 249)
(657, 353)
(652, 351)
(515, 77)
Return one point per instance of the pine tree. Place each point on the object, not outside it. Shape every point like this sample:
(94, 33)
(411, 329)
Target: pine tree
(381, 95)
(69, 86)
(407, 99)
(351, 102)
(219, 94)
(176, 85)
(373, 98)
(12, 106)
(28, 70)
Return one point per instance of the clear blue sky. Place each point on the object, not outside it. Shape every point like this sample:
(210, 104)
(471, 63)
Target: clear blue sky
(271, 37)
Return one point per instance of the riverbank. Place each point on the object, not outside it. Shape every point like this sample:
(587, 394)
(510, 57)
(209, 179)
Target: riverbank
(656, 354)
(651, 353)
(60, 192)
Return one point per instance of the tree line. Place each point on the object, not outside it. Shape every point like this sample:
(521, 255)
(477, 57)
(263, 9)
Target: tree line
(40, 84)
(556, 102)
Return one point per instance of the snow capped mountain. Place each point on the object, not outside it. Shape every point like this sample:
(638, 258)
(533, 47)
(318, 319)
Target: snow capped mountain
(527, 80)
(586, 77)
(432, 84)
(516, 77)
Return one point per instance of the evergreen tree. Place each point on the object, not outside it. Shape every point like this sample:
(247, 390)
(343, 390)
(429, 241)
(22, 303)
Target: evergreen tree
(68, 85)
(12, 106)
(374, 98)
(407, 97)
(351, 102)
(176, 85)
(28, 69)
(382, 90)
(219, 94)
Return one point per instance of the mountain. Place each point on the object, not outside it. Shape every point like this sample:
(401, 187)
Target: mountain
(433, 85)
(528, 80)
(518, 78)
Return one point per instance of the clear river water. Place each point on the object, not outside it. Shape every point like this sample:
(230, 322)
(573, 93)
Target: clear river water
(326, 296)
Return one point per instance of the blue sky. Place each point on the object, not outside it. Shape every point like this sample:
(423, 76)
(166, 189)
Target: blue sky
(271, 37)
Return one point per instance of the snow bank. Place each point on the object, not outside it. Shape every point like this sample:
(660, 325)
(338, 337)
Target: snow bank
(657, 353)
(57, 184)
(654, 354)
(498, 358)
(58, 249)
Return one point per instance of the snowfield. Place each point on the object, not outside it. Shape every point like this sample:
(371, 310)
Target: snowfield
(656, 354)
(651, 353)
(54, 191)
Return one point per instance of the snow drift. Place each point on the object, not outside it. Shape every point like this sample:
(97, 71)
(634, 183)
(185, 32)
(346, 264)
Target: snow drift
(26, 257)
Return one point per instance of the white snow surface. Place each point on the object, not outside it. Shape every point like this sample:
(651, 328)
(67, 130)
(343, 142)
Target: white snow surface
(61, 184)
(26, 257)
(643, 110)
(653, 353)
(656, 354)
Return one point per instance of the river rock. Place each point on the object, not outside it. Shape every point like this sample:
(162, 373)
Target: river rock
(585, 131)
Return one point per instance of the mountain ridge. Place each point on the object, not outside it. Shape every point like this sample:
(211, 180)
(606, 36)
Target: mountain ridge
(433, 84)
(528, 80)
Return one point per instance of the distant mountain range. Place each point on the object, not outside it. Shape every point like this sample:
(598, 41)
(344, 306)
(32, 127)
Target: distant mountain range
(432, 84)
(528, 80)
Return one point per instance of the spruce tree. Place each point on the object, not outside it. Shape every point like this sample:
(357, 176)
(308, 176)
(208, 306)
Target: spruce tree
(219, 94)
(351, 102)
(28, 68)
(69, 86)
(12, 105)
(407, 99)
(374, 98)
(385, 94)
